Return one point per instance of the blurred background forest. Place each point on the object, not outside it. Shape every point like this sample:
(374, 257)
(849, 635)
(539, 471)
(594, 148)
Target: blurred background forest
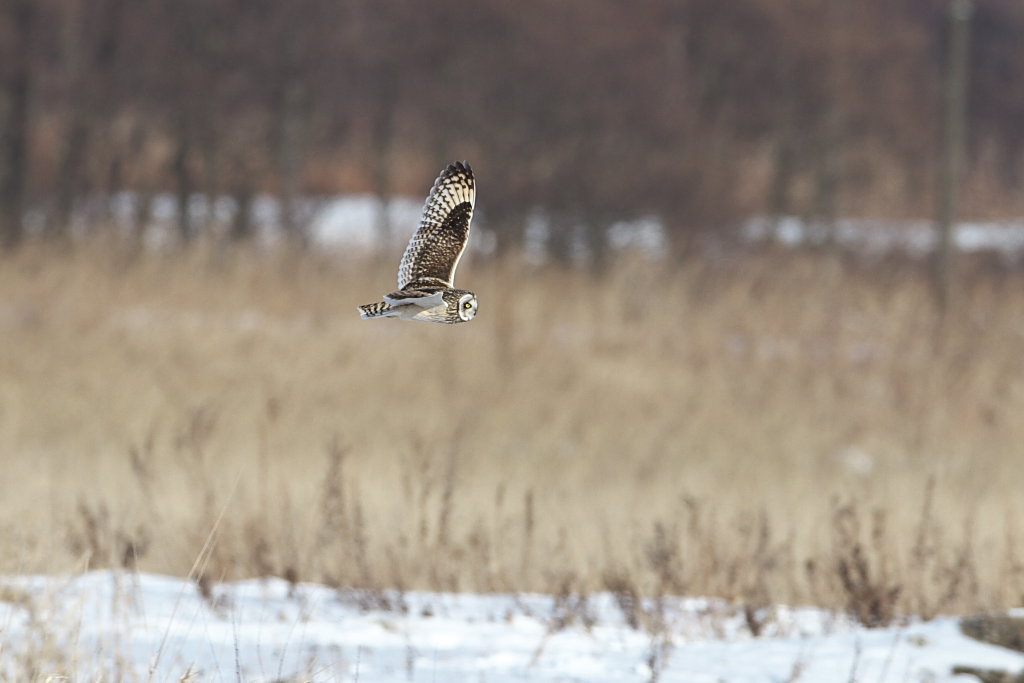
(697, 112)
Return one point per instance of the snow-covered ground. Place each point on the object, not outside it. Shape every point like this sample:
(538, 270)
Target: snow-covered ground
(878, 237)
(355, 222)
(123, 626)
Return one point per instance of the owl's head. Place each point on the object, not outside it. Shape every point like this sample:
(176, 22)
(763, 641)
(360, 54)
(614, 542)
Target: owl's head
(467, 306)
(461, 305)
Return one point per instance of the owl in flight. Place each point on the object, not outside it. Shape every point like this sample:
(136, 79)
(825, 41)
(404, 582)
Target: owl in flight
(426, 276)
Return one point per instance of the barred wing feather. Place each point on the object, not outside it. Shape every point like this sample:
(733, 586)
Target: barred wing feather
(434, 251)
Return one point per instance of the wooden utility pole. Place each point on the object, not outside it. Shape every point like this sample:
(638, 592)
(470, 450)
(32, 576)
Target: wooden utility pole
(953, 143)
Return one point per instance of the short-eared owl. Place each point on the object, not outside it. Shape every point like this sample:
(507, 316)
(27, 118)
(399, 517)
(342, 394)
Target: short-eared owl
(426, 277)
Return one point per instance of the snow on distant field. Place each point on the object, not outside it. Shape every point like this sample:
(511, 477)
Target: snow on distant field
(124, 626)
(354, 220)
(350, 220)
(876, 236)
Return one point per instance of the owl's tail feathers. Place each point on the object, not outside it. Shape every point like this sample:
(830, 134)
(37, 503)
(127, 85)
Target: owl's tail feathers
(378, 310)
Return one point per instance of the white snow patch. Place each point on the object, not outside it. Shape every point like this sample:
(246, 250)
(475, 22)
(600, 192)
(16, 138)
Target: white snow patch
(113, 625)
(358, 221)
(879, 236)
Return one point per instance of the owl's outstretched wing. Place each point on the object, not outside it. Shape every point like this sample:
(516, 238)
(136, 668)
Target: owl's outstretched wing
(434, 251)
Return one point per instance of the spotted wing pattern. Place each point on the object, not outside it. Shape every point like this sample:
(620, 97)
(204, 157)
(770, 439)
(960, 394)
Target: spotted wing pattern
(434, 251)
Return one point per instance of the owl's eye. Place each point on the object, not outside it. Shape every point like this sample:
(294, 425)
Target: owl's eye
(467, 305)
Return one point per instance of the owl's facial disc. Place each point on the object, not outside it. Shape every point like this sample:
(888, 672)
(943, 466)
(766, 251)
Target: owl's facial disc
(467, 307)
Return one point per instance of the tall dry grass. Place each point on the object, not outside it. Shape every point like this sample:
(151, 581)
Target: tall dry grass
(769, 428)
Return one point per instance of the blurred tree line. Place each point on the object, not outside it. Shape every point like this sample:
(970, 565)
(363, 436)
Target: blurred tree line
(698, 112)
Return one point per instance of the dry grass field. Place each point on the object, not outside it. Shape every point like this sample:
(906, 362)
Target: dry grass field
(769, 428)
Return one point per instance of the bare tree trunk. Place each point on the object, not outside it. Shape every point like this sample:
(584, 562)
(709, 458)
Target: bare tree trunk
(382, 185)
(291, 120)
(76, 136)
(784, 155)
(88, 62)
(143, 192)
(114, 182)
(143, 213)
(561, 231)
(14, 122)
(212, 162)
(827, 177)
(383, 134)
(68, 176)
(954, 141)
(596, 232)
(183, 178)
(829, 153)
(241, 224)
